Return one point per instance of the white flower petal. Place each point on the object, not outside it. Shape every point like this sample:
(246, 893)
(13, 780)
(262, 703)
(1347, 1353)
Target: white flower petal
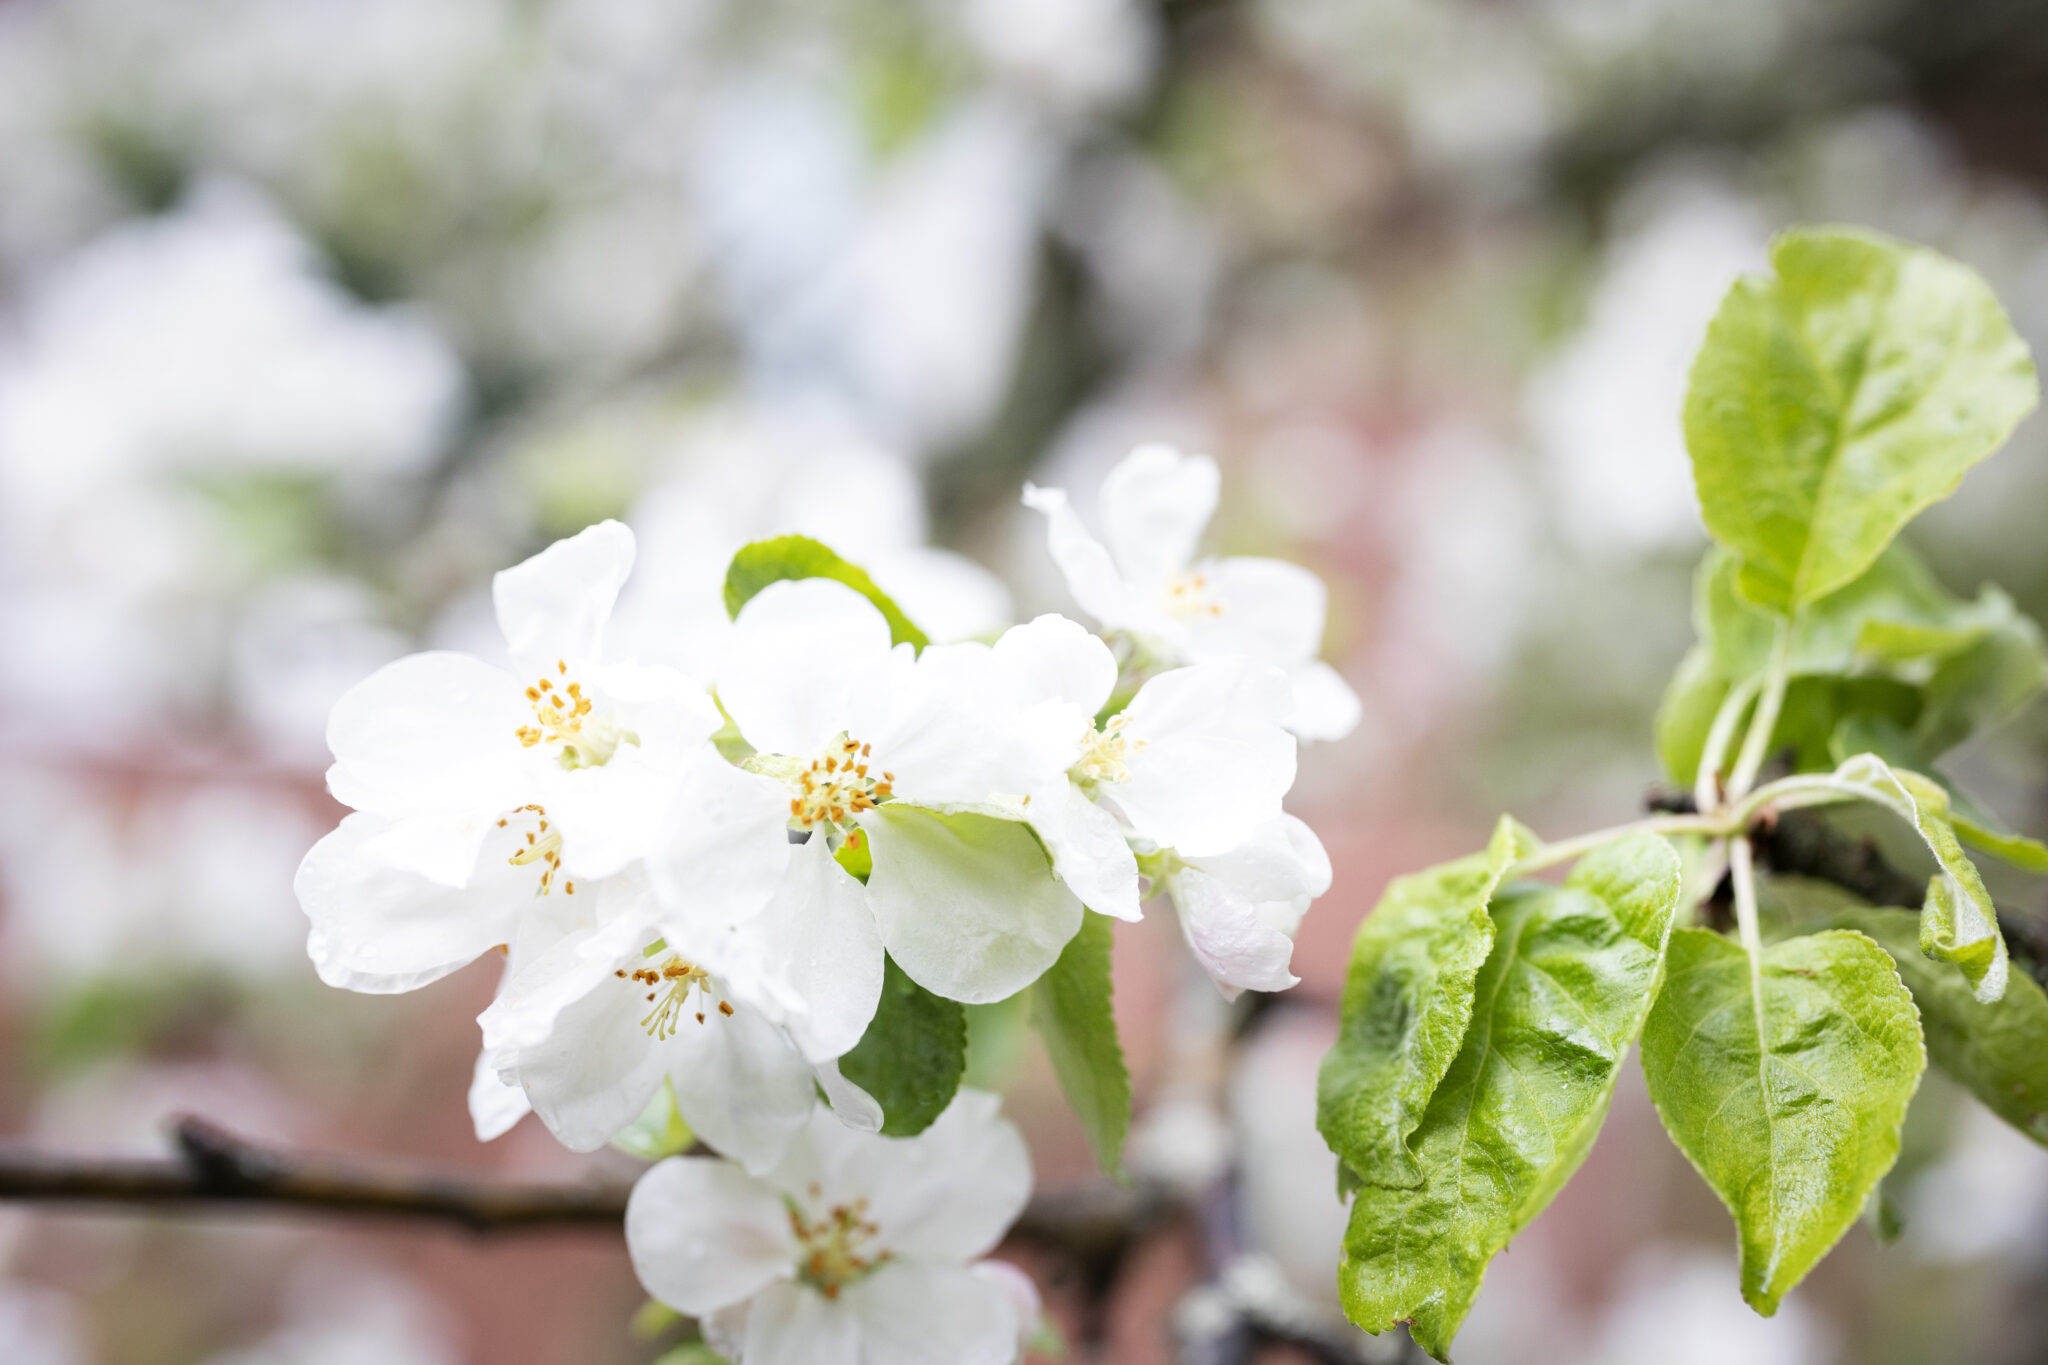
(555, 605)
(1214, 761)
(704, 1235)
(822, 952)
(951, 1192)
(1283, 860)
(1155, 505)
(1085, 562)
(382, 930)
(726, 849)
(494, 1105)
(1230, 938)
(1266, 609)
(445, 847)
(1054, 659)
(853, 1106)
(792, 1325)
(797, 650)
(428, 734)
(912, 1313)
(594, 1071)
(740, 1084)
(554, 972)
(1089, 852)
(966, 904)
(614, 814)
(1022, 1292)
(1325, 707)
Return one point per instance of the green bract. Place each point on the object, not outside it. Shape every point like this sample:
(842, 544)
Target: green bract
(1834, 400)
(1555, 1006)
(785, 557)
(1071, 1007)
(1785, 1083)
(1407, 1001)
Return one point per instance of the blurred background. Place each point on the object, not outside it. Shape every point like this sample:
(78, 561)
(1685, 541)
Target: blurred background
(313, 314)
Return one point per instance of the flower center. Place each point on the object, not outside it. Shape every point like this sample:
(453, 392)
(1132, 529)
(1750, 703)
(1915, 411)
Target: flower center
(1106, 753)
(835, 788)
(543, 845)
(1189, 595)
(563, 718)
(834, 1246)
(669, 985)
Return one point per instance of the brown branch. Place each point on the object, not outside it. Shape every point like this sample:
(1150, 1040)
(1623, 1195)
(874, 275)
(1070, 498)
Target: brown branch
(214, 1167)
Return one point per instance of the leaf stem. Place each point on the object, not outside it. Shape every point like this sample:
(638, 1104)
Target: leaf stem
(1757, 742)
(1706, 787)
(1742, 874)
(1564, 850)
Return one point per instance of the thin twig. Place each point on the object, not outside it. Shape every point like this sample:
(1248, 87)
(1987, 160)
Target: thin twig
(214, 1167)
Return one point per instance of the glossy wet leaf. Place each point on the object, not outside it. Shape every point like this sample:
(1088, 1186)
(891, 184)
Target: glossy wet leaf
(1071, 1006)
(1560, 998)
(912, 1056)
(787, 557)
(1407, 1001)
(1836, 398)
(1787, 1090)
(1999, 1051)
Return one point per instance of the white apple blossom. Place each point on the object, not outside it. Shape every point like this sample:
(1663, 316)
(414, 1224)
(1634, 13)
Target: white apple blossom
(597, 1014)
(480, 792)
(1144, 578)
(1196, 761)
(893, 754)
(1239, 909)
(856, 1248)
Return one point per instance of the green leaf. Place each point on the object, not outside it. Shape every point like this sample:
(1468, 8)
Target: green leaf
(912, 1056)
(1071, 1007)
(1560, 998)
(1999, 1051)
(1407, 1002)
(1981, 684)
(659, 1131)
(786, 557)
(1785, 1087)
(1834, 400)
(1958, 923)
(1894, 618)
(1974, 825)
(1691, 702)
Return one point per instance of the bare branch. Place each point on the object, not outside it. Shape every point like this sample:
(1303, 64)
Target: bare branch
(214, 1167)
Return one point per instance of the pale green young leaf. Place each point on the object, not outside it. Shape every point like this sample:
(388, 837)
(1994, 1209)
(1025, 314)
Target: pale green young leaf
(1983, 683)
(1686, 714)
(1407, 1001)
(1071, 1007)
(1999, 1051)
(659, 1131)
(1895, 618)
(1786, 1087)
(1974, 824)
(912, 1056)
(1835, 399)
(1560, 998)
(1958, 923)
(788, 557)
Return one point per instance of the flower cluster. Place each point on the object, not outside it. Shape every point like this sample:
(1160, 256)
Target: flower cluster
(700, 884)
